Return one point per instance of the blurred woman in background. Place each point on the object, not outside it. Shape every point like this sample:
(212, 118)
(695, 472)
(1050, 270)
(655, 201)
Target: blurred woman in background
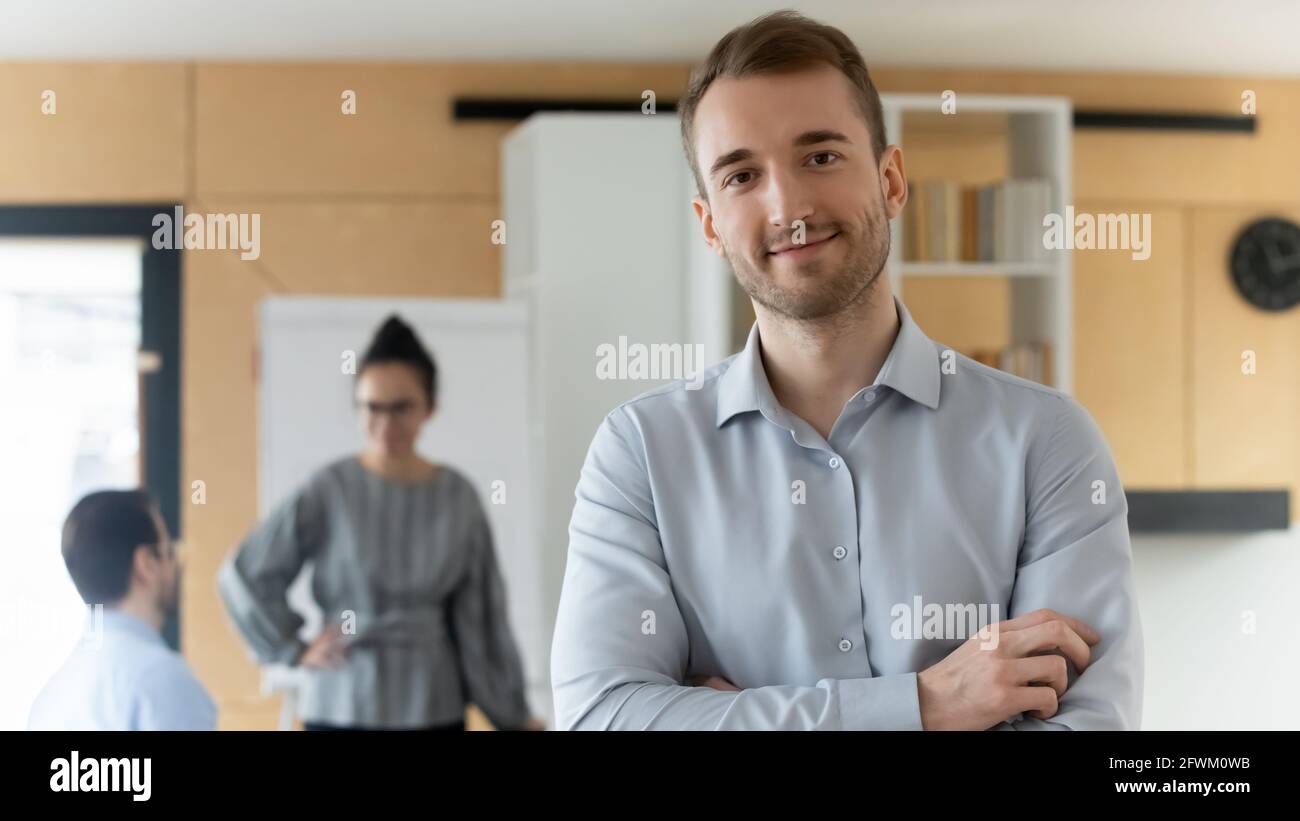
(405, 573)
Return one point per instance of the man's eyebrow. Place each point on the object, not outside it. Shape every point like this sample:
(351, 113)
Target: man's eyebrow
(730, 158)
(821, 135)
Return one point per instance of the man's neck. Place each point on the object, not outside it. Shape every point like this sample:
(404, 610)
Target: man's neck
(815, 366)
(142, 609)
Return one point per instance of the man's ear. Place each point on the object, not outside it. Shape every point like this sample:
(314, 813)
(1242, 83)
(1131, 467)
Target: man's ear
(705, 215)
(893, 181)
(144, 564)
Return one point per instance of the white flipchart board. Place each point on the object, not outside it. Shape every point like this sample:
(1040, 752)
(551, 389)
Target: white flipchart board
(481, 427)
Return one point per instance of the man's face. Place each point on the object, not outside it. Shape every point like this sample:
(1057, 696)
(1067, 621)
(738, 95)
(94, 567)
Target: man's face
(781, 151)
(162, 572)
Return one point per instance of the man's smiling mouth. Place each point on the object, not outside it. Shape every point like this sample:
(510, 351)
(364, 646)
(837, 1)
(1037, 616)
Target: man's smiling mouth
(793, 250)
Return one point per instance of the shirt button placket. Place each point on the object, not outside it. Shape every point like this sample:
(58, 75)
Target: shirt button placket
(839, 552)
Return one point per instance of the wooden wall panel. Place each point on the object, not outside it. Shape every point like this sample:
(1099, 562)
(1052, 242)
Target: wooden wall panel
(1130, 348)
(408, 247)
(279, 129)
(1246, 427)
(118, 135)
(220, 450)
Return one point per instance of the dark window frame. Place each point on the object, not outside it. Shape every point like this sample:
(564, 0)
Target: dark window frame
(160, 331)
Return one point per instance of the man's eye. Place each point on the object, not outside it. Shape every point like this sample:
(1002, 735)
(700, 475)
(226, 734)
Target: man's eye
(830, 157)
(736, 178)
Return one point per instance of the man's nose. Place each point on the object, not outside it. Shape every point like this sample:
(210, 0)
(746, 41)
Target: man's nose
(787, 201)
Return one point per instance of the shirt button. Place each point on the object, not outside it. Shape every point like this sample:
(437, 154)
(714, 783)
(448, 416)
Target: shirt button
(870, 396)
(839, 552)
(834, 462)
(845, 645)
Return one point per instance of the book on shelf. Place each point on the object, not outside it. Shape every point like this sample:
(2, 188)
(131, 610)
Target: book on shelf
(1028, 360)
(945, 221)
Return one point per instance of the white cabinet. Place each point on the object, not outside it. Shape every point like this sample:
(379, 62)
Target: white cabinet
(601, 243)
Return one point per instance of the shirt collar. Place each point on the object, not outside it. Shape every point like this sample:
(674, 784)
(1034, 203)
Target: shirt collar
(912, 369)
(121, 621)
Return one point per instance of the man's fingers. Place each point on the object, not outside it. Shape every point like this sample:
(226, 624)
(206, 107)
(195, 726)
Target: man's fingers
(1039, 702)
(1049, 670)
(1044, 615)
(1051, 635)
(716, 682)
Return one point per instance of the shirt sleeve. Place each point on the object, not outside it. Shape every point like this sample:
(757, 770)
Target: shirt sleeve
(169, 697)
(254, 580)
(609, 673)
(1076, 559)
(490, 666)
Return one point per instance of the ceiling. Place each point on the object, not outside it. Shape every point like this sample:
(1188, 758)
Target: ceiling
(1251, 37)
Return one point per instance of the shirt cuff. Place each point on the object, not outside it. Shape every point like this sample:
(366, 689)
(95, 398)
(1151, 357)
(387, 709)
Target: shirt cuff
(881, 703)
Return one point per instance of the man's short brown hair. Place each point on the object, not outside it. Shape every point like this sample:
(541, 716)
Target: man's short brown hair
(100, 538)
(775, 43)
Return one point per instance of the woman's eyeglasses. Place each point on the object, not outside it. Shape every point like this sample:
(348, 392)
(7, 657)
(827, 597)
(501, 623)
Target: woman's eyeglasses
(399, 408)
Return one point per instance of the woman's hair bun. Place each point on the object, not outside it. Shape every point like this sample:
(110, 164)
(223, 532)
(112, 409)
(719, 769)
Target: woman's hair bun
(395, 341)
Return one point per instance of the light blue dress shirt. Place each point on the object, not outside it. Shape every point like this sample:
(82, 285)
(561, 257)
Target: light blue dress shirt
(125, 678)
(716, 533)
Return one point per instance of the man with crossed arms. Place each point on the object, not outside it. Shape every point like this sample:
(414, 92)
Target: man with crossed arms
(739, 552)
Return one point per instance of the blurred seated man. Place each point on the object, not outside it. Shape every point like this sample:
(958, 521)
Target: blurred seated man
(119, 555)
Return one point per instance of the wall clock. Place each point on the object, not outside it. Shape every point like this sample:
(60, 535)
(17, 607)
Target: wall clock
(1265, 263)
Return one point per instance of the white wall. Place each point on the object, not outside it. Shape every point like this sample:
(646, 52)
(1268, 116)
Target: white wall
(1204, 670)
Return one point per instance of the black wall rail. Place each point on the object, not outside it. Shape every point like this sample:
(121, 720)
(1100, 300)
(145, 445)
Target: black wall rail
(1163, 121)
(469, 109)
(1208, 511)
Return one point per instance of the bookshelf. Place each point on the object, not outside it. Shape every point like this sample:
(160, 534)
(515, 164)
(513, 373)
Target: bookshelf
(1037, 135)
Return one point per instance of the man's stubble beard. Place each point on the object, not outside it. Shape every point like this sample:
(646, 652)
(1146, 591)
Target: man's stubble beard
(847, 288)
(168, 600)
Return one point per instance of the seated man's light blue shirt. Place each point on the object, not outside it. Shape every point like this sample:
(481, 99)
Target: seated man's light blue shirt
(716, 533)
(126, 678)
